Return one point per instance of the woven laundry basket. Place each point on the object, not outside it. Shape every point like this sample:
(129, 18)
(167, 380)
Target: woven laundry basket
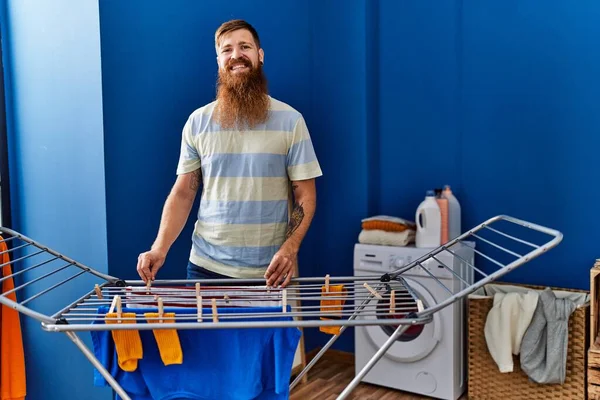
(485, 382)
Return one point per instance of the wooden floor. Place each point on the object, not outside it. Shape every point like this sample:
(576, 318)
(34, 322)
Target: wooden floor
(330, 376)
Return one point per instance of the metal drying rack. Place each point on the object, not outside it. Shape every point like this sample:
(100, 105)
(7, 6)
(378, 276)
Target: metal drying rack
(501, 244)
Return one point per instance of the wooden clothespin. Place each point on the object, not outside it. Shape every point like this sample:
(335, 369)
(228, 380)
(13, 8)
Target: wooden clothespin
(214, 310)
(161, 310)
(98, 291)
(284, 300)
(373, 292)
(119, 309)
(198, 302)
(113, 304)
(148, 286)
(327, 283)
(392, 302)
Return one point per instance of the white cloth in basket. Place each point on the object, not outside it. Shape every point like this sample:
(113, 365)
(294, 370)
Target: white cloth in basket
(506, 324)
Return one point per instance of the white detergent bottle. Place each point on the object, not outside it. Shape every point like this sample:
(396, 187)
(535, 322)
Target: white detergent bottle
(429, 222)
(454, 213)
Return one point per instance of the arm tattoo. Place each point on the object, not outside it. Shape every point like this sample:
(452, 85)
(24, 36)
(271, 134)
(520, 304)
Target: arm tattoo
(295, 219)
(196, 179)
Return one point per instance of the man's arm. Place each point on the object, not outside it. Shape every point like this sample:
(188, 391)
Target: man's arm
(305, 202)
(174, 216)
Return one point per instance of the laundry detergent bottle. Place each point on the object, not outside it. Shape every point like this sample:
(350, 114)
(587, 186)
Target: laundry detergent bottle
(454, 213)
(429, 222)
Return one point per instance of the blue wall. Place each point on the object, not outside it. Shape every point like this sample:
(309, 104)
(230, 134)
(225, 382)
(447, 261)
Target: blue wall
(52, 68)
(498, 99)
(530, 125)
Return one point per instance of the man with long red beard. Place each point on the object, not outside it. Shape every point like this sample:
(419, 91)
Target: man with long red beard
(246, 149)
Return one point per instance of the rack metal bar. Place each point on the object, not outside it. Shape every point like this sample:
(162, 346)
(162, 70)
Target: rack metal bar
(27, 269)
(457, 276)
(497, 246)
(512, 237)
(35, 296)
(39, 278)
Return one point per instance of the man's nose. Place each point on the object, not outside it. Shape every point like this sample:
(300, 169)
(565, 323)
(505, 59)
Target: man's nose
(236, 53)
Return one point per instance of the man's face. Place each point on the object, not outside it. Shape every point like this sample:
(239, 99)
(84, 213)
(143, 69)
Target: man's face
(237, 53)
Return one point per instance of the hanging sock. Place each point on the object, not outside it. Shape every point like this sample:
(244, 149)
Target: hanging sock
(331, 306)
(166, 339)
(127, 342)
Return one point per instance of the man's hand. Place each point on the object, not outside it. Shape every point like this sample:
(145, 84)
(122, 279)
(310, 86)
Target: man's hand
(149, 263)
(281, 269)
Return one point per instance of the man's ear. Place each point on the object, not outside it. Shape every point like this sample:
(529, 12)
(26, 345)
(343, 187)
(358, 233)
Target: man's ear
(261, 56)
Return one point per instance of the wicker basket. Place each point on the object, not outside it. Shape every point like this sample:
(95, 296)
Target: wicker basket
(485, 382)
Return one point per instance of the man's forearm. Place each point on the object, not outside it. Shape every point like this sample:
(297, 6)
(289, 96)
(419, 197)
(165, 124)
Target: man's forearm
(176, 211)
(300, 219)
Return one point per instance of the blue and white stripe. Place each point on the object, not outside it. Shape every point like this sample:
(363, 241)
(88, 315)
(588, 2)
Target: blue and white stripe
(243, 211)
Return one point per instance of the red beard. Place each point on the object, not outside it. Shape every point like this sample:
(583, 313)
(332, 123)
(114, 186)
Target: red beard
(243, 100)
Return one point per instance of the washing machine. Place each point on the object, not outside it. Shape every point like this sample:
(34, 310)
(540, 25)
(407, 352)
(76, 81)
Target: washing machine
(428, 359)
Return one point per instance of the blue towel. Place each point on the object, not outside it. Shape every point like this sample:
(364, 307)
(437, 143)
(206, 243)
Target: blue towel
(223, 364)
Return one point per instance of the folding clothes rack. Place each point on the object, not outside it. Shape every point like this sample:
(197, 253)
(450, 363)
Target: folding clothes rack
(500, 244)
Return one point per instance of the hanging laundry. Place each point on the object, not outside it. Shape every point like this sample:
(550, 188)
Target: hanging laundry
(167, 340)
(334, 305)
(12, 356)
(127, 342)
(219, 363)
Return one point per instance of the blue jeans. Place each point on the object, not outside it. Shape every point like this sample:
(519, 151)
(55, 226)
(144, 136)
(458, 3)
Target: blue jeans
(197, 272)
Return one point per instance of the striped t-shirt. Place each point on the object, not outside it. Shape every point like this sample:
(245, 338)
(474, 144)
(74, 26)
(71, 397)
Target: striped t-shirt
(246, 174)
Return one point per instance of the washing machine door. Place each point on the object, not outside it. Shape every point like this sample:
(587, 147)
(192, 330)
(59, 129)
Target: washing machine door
(417, 342)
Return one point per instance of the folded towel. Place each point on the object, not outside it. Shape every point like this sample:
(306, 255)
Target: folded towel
(127, 342)
(332, 306)
(387, 223)
(384, 238)
(166, 339)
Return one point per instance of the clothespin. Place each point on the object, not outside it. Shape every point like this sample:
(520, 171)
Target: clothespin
(373, 292)
(119, 309)
(161, 310)
(327, 283)
(214, 310)
(148, 286)
(392, 302)
(98, 291)
(284, 300)
(113, 304)
(198, 302)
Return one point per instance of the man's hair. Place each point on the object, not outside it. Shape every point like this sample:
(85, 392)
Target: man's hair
(234, 25)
